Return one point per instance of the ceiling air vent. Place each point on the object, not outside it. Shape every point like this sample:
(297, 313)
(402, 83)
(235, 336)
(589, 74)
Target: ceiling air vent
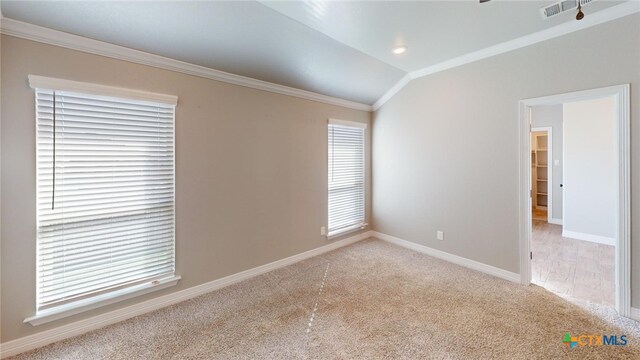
(560, 7)
(568, 4)
(551, 10)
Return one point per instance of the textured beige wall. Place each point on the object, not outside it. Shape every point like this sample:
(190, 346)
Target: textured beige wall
(445, 148)
(250, 168)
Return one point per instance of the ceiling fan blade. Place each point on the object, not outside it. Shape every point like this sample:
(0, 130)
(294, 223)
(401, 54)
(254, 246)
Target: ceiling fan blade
(484, 1)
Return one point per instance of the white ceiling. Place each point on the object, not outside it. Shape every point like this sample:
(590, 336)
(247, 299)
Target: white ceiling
(336, 48)
(244, 38)
(433, 31)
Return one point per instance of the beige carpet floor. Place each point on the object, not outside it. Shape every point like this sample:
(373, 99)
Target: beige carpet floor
(370, 300)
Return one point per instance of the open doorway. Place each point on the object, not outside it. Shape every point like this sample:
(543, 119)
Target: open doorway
(575, 195)
(576, 260)
(541, 170)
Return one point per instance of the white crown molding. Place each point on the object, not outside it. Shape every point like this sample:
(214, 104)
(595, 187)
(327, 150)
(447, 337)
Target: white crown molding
(600, 17)
(455, 259)
(48, 36)
(53, 37)
(391, 92)
(43, 338)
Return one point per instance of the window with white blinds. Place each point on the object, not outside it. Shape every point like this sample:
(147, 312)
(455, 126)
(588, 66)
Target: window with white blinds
(105, 195)
(346, 176)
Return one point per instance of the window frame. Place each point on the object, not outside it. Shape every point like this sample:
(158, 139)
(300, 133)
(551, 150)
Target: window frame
(363, 224)
(49, 314)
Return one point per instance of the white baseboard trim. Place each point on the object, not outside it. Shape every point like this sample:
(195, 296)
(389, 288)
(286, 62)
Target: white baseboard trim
(555, 221)
(588, 237)
(455, 259)
(46, 337)
(635, 314)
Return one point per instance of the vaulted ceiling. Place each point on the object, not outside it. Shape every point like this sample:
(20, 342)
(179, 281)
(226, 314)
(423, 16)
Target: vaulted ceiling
(336, 48)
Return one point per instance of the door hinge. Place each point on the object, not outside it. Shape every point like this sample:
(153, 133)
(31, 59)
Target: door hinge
(530, 255)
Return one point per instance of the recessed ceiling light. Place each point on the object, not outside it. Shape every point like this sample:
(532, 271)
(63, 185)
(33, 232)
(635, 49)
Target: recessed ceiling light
(399, 49)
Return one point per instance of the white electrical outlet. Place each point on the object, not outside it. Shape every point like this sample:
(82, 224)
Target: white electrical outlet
(323, 230)
(440, 235)
(556, 162)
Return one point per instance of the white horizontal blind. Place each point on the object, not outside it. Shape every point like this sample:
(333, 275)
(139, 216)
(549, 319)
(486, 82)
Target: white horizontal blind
(346, 177)
(107, 221)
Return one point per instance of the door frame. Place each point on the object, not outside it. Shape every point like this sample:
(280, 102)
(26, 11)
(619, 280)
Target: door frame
(550, 184)
(623, 200)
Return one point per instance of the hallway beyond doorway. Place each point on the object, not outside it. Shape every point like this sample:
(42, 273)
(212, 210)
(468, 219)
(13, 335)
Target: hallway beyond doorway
(570, 267)
(539, 214)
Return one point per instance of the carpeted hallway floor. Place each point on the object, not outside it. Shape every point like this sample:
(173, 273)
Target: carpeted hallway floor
(370, 300)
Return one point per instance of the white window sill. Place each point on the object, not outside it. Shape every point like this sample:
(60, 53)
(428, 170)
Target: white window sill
(347, 230)
(62, 311)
